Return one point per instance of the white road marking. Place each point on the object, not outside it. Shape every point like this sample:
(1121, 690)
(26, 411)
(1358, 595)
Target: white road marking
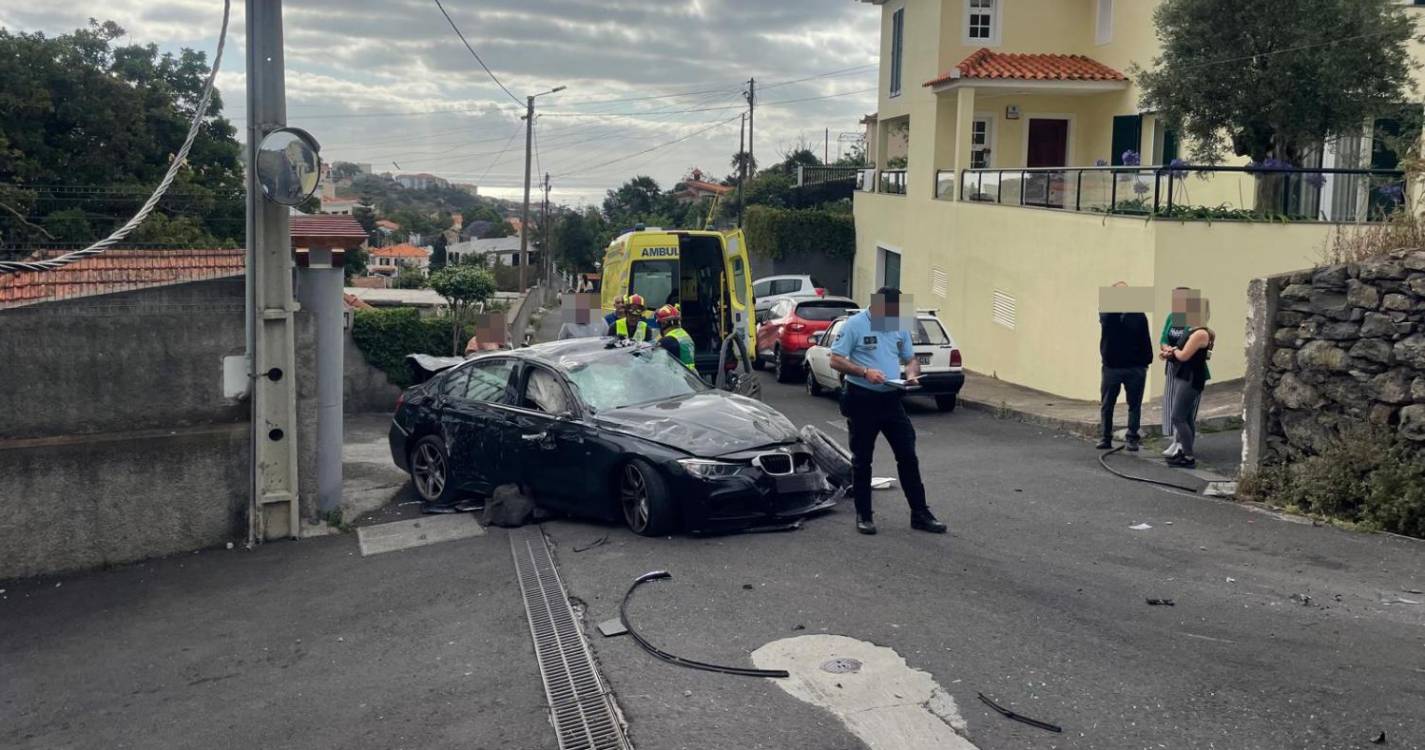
(1207, 638)
(888, 705)
(417, 532)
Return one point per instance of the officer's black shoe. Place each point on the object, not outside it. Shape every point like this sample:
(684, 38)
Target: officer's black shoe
(1104, 445)
(865, 525)
(924, 520)
(1133, 445)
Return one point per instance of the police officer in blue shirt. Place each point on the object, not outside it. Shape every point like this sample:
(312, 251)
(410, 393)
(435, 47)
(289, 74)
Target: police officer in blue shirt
(871, 348)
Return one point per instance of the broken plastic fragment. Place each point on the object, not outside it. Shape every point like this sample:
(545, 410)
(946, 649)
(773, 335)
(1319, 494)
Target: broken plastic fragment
(1140, 527)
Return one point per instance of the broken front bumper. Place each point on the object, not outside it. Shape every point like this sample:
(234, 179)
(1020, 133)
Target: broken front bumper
(760, 493)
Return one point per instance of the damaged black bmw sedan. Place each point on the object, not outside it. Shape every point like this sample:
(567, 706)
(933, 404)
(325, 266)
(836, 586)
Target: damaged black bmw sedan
(623, 433)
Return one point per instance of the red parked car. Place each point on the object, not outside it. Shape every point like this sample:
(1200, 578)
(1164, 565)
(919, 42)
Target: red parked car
(784, 332)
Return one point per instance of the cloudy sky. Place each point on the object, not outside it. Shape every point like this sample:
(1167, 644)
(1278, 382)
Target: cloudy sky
(388, 82)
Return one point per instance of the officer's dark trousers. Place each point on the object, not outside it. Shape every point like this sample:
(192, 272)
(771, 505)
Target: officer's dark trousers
(868, 414)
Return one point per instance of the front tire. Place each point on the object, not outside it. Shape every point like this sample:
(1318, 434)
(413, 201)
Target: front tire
(814, 388)
(644, 499)
(430, 471)
(946, 403)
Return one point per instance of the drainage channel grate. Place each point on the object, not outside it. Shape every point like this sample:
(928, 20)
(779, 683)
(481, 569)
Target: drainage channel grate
(580, 706)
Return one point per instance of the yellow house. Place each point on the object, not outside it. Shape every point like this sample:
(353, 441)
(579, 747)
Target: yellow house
(1032, 177)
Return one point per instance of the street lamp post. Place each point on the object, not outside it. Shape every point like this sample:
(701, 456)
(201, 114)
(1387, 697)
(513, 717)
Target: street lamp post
(524, 213)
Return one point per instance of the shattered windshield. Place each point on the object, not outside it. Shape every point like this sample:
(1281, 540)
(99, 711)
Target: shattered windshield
(629, 377)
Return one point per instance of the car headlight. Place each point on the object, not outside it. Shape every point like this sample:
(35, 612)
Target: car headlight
(705, 469)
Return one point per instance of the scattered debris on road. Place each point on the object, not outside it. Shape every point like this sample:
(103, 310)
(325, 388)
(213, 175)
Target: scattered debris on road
(1161, 603)
(1302, 599)
(596, 543)
(1008, 714)
(1140, 527)
(661, 575)
(1230, 579)
(882, 483)
(1380, 739)
(612, 628)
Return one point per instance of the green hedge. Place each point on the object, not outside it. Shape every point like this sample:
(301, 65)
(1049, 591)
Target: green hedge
(779, 233)
(385, 337)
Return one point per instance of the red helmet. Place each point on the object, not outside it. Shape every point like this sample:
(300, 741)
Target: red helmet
(666, 313)
(635, 300)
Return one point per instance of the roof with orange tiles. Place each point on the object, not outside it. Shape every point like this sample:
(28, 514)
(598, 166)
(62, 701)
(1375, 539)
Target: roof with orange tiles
(387, 224)
(118, 271)
(354, 302)
(707, 187)
(400, 251)
(327, 227)
(985, 64)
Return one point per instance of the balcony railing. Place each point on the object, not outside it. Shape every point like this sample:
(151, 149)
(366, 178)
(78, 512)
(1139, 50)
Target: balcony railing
(1194, 193)
(893, 181)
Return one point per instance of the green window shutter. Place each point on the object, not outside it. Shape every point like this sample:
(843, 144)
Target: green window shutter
(1127, 136)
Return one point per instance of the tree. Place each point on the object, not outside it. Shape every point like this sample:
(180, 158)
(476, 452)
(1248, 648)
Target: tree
(79, 109)
(410, 278)
(853, 157)
(798, 157)
(344, 170)
(355, 263)
(1272, 81)
(463, 287)
(69, 225)
(575, 241)
(498, 229)
(438, 258)
(737, 160)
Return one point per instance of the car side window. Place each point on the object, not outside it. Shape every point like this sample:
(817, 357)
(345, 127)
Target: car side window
(542, 391)
(489, 382)
(454, 383)
(786, 286)
(762, 289)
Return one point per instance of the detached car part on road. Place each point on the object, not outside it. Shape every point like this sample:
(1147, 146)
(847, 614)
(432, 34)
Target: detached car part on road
(615, 432)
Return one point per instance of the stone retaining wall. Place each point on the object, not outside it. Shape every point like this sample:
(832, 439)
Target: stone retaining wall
(1344, 345)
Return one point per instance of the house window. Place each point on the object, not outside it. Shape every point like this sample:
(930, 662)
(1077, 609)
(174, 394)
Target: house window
(981, 142)
(982, 23)
(1105, 21)
(897, 48)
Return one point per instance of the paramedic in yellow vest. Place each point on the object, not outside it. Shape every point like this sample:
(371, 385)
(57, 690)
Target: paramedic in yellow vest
(632, 326)
(675, 339)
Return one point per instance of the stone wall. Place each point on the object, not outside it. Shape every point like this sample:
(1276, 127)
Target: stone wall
(1344, 346)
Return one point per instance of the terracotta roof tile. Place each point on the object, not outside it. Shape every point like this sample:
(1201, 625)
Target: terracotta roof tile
(118, 271)
(709, 187)
(327, 227)
(984, 64)
(400, 251)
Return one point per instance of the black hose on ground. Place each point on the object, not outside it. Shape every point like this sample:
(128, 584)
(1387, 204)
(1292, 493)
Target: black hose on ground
(658, 575)
(1104, 463)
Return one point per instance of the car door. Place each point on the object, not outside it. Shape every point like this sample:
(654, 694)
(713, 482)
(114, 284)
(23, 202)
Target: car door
(819, 356)
(546, 441)
(472, 422)
(769, 332)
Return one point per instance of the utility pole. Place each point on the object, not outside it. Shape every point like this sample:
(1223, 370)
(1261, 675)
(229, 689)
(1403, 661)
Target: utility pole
(751, 124)
(826, 149)
(524, 214)
(742, 166)
(544, 252)
(271, 338)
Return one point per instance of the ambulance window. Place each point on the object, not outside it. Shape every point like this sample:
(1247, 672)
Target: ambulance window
(739, 279)
(655, 280)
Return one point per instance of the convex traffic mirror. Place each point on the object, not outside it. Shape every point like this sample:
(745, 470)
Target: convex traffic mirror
(288, 166)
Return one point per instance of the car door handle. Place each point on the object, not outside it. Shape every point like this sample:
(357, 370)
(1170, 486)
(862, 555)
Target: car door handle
(535, 437)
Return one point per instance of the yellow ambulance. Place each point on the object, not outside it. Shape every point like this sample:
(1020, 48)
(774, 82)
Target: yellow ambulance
(706, 273)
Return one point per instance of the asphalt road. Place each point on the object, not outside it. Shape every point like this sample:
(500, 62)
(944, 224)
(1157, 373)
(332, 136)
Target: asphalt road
(1037, 598)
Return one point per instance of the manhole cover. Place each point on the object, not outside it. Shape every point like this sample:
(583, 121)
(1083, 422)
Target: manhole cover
(841, 666)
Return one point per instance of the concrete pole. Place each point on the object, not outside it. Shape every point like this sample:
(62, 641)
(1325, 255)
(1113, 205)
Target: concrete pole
(319, 290)
(524, 213)
(272, 338)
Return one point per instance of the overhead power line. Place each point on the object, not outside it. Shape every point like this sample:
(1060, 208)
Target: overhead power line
(700, 131)
(488, 72)
(831, 74)
(720, 108)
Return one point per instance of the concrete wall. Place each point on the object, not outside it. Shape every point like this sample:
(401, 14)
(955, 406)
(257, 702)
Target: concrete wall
(1337, 347)
(1052, 263)
(365, 389)
(834, 273)
(118, 443)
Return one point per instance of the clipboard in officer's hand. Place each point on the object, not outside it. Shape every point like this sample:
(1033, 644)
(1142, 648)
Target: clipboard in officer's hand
(902, 384)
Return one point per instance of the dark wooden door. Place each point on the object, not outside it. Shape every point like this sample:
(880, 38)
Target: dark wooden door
(1048, 143)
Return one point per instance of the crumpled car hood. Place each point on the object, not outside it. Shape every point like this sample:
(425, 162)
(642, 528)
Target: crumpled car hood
(708, 424)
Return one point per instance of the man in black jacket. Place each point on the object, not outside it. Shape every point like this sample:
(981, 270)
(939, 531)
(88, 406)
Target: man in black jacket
(1126, 349)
